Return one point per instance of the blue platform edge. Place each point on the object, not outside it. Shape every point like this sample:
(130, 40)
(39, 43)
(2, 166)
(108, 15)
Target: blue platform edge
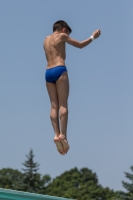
(6, 194)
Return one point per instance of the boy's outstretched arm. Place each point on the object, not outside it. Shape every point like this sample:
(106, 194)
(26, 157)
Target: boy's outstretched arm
(82, 44)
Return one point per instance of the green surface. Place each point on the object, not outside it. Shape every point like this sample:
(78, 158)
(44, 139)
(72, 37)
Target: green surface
(16, 195)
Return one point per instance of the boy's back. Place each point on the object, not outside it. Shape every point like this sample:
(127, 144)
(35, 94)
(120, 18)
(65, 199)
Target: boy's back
(54, 50)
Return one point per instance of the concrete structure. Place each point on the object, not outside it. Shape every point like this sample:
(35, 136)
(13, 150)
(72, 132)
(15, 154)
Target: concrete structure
(6, 194)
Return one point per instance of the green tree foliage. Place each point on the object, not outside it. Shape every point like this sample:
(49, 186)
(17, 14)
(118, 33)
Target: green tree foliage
(31, 177)
(79, 184)
(29, 181)
(32, 180)
(128, 186)
(75, 184)
(10, 179)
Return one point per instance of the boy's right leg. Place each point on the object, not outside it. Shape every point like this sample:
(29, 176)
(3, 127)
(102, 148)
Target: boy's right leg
(62, 85)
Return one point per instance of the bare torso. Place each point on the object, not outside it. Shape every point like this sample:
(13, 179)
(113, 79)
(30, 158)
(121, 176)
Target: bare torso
(54, 49)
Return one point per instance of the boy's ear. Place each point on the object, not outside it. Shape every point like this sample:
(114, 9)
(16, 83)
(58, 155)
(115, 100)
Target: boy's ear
(64, 30)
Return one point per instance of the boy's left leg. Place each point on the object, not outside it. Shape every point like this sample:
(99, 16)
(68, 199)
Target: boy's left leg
(54, 114)
(62, 85)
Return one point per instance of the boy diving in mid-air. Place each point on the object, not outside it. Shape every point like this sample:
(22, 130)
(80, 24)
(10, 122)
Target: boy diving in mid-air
(57, 81)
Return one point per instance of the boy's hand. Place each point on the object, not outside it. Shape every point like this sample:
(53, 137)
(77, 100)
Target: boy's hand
(96, 33)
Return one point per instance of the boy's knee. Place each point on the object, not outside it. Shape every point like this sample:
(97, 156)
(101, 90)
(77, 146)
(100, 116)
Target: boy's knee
(63, 111)
(54, 112)
(54, 116)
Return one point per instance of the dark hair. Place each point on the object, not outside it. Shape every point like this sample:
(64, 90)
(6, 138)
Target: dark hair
(61, 24)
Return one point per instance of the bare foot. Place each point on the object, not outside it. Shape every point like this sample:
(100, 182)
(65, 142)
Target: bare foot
(64, 143)
(59, 145)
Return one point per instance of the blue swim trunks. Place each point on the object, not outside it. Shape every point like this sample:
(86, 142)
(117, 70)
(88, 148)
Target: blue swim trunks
(53, 74)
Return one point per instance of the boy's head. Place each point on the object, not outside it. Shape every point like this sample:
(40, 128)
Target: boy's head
(62, 26)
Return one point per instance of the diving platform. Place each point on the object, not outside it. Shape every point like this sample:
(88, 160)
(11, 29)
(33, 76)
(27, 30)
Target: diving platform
(6, 194)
